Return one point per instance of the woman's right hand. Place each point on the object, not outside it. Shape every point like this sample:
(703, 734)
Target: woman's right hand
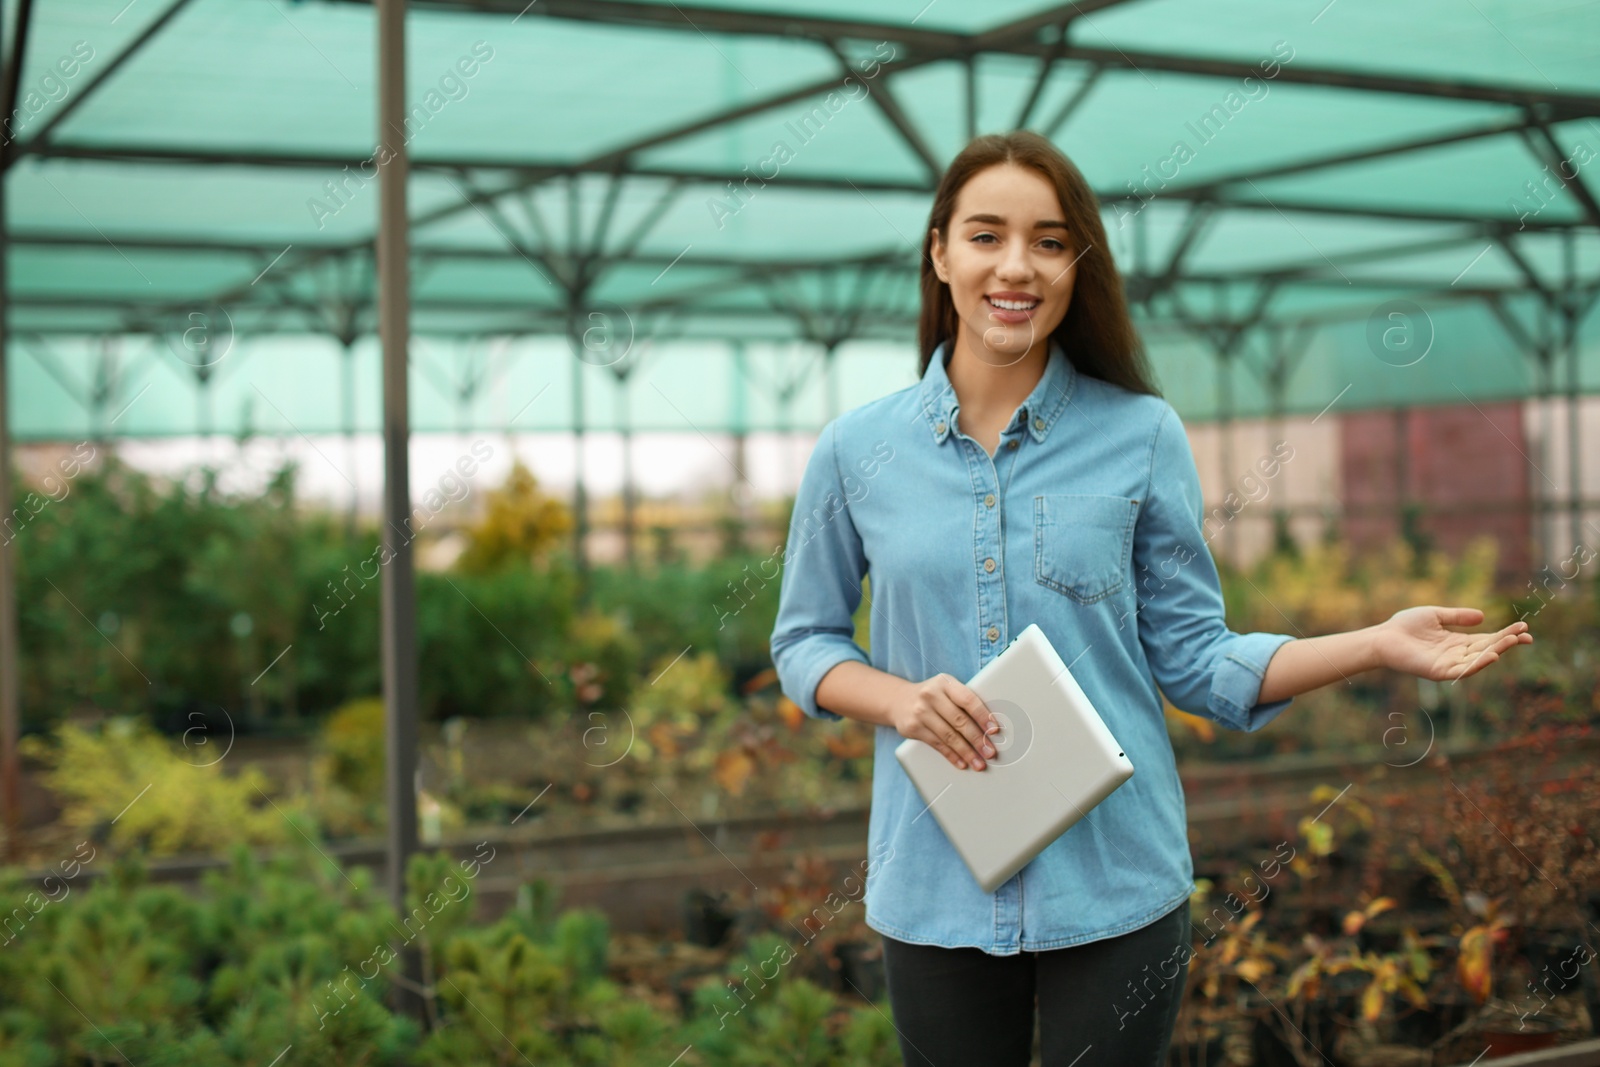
(949, 716)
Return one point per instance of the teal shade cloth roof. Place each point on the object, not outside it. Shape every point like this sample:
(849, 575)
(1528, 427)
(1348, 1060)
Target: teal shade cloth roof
(1357, 203)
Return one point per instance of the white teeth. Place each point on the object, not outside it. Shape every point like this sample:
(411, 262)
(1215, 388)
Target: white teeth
(1014, 305)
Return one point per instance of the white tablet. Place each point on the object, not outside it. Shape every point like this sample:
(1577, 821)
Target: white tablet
(1055, 760)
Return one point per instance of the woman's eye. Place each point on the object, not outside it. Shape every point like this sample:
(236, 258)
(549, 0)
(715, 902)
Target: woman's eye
(1051, 243)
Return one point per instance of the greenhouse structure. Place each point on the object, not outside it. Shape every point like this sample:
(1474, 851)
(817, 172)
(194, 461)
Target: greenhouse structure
(302, 218)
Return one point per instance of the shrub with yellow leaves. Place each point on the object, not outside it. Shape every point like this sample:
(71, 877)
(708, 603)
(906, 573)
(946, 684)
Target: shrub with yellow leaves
(1342, 818)
(126, 784)
(1402, 973)
(689, 719)
(1327, 589)
(1475, 954)
(520, 524)
(671, 713)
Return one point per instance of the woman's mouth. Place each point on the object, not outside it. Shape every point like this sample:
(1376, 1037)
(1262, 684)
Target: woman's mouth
(1011, 310)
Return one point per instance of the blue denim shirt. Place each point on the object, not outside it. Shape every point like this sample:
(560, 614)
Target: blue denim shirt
(1088, 521)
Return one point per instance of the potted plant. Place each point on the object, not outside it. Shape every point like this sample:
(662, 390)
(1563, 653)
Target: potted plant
(1225, 974)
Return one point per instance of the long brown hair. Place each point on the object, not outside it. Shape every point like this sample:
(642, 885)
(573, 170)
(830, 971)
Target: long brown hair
(1096, 333)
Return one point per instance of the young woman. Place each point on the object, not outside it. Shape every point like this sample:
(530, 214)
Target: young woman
(1035, 475)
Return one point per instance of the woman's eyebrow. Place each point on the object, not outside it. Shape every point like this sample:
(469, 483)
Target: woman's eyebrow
(1042, 224)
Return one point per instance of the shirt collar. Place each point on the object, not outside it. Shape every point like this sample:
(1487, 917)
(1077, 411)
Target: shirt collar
(1040, 410)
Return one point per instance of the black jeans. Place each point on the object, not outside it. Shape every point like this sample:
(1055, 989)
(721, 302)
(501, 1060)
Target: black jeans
(1112, 1001)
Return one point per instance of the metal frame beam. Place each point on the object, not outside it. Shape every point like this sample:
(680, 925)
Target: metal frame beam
(77, 100)
(1020, 37)
(544, 171)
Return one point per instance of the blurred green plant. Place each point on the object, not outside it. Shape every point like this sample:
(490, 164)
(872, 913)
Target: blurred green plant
(352, 742)
(1328, 588)
(125, 784)
(291, 957)
(520, 525)
(138, 596)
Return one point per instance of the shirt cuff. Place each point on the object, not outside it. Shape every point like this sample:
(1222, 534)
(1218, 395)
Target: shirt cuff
(824, 659)
(1236, 687)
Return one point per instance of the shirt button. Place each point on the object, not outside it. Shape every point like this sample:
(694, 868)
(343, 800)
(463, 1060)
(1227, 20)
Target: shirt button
(988, 501)
(994, 633)
(939, 428)
(1011, 444)
(1038, 424)
(988, 565)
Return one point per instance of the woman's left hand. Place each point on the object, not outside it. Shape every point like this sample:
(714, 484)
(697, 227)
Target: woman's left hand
(1415, 641)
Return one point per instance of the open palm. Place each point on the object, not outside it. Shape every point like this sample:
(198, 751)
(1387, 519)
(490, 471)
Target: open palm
(1416, 641)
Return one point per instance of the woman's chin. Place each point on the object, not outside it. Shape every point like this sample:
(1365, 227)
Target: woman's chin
(999, 342)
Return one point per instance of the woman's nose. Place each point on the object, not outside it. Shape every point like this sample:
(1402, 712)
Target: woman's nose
(1014, 264)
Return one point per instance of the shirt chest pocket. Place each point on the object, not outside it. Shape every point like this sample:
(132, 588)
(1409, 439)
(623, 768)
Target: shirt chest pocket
(1081, 543)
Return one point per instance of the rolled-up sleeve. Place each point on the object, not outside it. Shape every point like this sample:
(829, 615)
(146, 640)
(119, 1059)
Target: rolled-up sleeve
(821, 587)
(1203, 667)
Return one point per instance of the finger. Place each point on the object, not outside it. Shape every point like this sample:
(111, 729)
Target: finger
(982, 724)
(1492, 654)
(944, 749)
(931, 728)
(1459, 616)
(971, 733)
(1479, 664)
(938, 733)
(948, 727)
(973, 718)
(974, 706)
(1472, 657)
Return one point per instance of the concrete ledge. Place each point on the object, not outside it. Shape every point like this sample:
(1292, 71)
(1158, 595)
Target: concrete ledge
(1581, 1054)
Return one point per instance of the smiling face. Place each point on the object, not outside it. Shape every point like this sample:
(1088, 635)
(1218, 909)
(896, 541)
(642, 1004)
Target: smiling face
(1010, 263)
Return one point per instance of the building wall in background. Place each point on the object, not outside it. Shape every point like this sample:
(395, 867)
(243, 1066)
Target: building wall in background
(1468, 460)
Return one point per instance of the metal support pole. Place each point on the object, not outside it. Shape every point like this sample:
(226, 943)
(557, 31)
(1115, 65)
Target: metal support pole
(10, 768)
(580, 490)
(630, 494)
(830, 371)
(739, 494)
(1277, 400)
(10, 716)
(347, 398)
(399, 592)
(1570, 316)
(1402, 471)
(1547, 431)
(1230, 544)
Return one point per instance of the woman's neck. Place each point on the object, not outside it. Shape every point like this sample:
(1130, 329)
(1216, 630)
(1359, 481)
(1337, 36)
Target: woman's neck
(991, 385)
